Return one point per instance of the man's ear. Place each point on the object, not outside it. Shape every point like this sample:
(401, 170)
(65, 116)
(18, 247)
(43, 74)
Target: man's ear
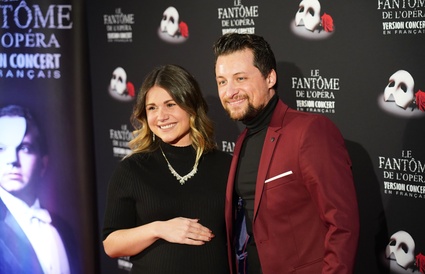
(271, 78)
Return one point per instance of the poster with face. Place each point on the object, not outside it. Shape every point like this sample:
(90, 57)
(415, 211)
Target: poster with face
(45, 159)
(23, 162)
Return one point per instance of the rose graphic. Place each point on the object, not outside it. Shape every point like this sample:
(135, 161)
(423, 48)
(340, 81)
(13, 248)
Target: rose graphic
(184, 30)
(327, 22)
(420, 103)
(420, 262)
(130, 89)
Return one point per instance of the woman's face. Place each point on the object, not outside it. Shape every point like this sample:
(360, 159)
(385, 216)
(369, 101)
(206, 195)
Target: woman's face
(166, 119)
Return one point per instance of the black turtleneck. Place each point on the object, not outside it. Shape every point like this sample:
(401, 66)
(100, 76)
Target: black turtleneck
(246, 175)
(263, 118)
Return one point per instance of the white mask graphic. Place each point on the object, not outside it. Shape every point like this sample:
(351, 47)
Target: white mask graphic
(119, 80)
(170, 21)
(401, 248)
(308, 14)
(400, 89)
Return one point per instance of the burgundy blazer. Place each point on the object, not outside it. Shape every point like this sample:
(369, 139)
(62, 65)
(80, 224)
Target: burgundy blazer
(305, 210)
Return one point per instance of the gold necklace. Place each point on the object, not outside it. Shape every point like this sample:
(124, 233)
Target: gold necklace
(181, 179)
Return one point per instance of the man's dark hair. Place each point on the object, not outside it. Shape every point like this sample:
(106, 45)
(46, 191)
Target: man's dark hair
(264, 58)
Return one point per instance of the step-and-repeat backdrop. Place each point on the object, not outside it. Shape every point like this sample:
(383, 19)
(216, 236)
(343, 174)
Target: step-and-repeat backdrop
(361, 63)
(43, 69)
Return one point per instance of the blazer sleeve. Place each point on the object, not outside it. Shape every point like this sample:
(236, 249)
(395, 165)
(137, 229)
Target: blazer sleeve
(326, 171)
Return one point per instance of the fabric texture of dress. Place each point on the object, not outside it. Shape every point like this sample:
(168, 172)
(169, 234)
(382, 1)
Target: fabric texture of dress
(142, 190)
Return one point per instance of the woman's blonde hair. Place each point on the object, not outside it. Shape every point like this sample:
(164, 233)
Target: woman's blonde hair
(185, 91)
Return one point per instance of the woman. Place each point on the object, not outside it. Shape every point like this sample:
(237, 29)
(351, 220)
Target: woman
(165, 204)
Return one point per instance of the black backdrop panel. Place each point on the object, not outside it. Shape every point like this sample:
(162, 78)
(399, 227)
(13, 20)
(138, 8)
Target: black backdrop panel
(342, 72)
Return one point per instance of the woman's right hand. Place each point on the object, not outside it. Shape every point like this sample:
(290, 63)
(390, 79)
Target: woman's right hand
(184, 231)
(131, 241)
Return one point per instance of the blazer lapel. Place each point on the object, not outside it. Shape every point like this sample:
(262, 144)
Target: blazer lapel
(18, 245)
(269, 146)
(263, 168)
(231, 182)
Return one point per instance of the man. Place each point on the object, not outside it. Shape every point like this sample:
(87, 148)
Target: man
(290, 202)
(28, 241)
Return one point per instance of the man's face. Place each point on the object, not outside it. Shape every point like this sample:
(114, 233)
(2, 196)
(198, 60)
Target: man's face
(242, 88)
(20, 159)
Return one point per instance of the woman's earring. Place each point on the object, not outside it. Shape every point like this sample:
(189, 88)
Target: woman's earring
(153, 137)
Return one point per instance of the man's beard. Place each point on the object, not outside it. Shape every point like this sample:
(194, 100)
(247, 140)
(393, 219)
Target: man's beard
(249, 113)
